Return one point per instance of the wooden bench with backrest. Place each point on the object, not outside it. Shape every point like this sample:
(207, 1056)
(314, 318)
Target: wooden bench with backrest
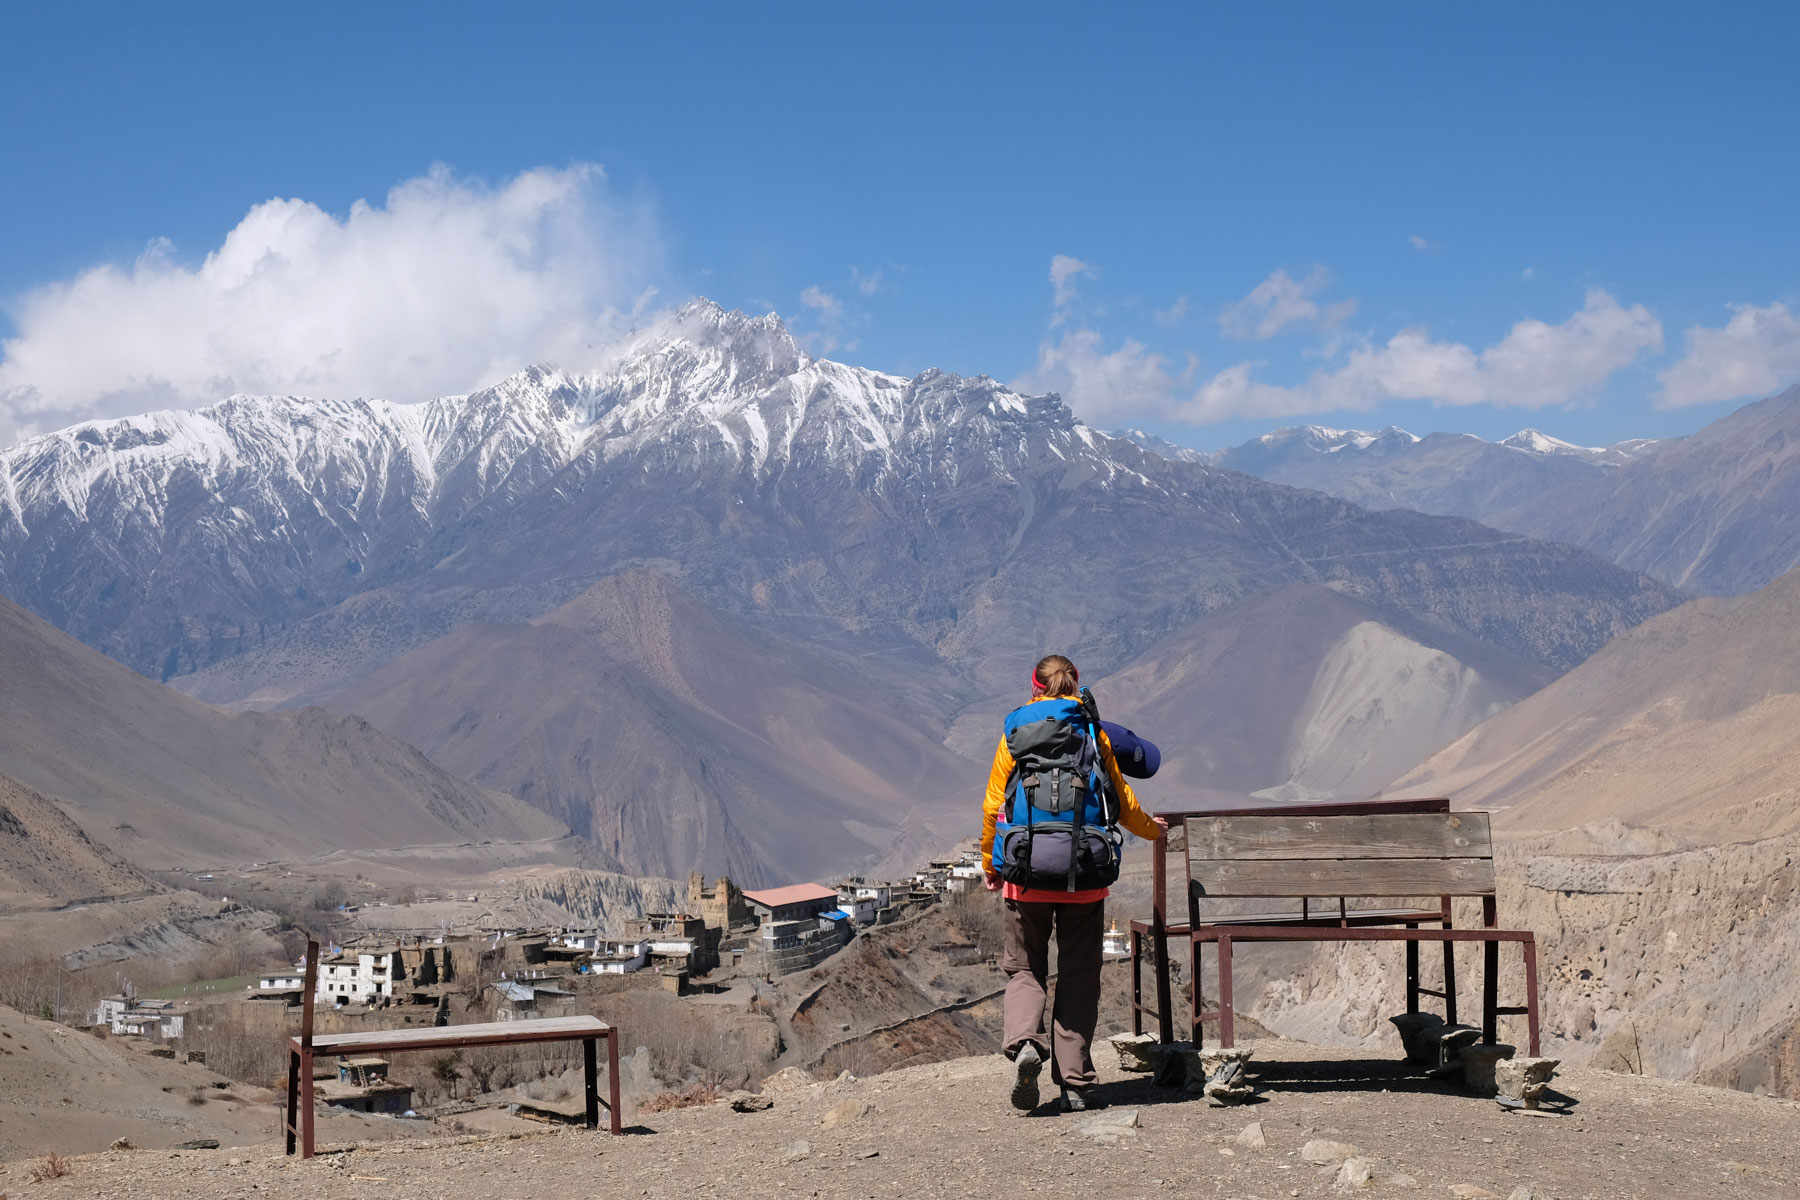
(1325, 856)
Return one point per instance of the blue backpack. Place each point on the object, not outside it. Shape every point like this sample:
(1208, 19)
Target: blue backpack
(1060, 828)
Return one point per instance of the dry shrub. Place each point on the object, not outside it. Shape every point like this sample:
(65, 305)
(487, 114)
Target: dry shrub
(691, 1096)
(197, 1097)
(234, 1048)
(53, 1166)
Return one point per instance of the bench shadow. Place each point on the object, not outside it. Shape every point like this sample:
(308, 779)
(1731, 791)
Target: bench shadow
(1273, 1077)
(1371, 1075)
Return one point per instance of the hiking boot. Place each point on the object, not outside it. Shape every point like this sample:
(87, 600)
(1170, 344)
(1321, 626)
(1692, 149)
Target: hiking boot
(1026, 1065)
(1076, 1100)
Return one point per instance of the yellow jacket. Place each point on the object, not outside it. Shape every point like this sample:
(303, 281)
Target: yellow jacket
(1131, 815)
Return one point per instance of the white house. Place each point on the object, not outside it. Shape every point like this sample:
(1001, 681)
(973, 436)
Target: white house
(129, 1017)
(356, 977)
(620, 957)
(860, 910)
(282, 981)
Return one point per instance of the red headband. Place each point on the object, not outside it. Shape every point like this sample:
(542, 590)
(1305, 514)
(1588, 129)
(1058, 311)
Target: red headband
(1039, 684)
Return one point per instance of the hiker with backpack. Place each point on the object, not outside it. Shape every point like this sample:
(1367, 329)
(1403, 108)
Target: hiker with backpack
(1050, 841)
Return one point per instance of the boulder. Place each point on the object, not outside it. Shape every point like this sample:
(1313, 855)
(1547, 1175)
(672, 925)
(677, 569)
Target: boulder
(1451, 1041)
(1353, 1176)
(1478, 1067)
(1252, 1137)
(1222, 1076)
(1110, 1125)
(1520, 1082)
(1323, 1152)
(1419, 1033)
(846, 1113)
(747, 1102)
(1134, 1051)
(788, 1079)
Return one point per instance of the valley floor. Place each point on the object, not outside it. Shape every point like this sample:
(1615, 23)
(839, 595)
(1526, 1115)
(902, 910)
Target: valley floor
(945, 1130)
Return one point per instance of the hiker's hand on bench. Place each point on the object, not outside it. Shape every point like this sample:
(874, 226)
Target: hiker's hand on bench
(1162, 821)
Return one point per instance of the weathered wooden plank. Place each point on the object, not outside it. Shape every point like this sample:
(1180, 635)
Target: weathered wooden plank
(1344, 877)
(1363, 836)
(425, 1037)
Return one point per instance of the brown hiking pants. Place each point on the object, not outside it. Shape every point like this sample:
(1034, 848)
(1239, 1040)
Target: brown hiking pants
(1079, 929)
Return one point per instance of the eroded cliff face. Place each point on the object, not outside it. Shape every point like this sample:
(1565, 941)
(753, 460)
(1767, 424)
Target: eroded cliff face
(1654, 959)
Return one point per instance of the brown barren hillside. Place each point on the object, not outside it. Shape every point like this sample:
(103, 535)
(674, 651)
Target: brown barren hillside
(1712, 513)
(46, 861)
(676, 736)
(1311, 686)
(1690, 722)
(166, 780)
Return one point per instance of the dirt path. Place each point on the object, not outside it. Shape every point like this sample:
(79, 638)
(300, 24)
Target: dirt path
(944, 1131)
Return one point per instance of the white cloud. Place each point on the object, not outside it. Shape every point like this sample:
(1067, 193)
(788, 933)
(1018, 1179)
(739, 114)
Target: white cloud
(1280, 301)
(1101, 385)
(1534, 365)
(1065, 272)
(1175, 313)
(1424, 245)
(868, 283)
(1528, 274)
(826, 304)
(1757, 353)
(451, 284)
(833, 321)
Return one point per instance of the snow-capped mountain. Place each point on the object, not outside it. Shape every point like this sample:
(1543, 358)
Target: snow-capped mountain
(769, 481)
(1451, 474)
(844, 550)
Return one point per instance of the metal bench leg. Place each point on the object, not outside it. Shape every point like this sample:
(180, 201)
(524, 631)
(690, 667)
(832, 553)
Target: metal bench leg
(1412, 972)
(1227, 1021)
(293, 1098)
(1449, 968)
(590, 1079)
(1531, 995)
(1490, 975)
(1194, 962)
(307, 1145)
(612, 1074)
(1137, 982)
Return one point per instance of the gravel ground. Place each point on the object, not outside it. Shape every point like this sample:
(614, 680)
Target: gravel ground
(945, 1130)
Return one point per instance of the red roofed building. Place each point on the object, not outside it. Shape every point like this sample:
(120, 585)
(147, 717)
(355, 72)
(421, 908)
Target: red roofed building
(793, 903)
(801, 926)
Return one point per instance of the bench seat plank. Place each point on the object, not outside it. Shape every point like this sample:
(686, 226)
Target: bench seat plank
(487, 1033)
(1343, 877)
(1372, 835)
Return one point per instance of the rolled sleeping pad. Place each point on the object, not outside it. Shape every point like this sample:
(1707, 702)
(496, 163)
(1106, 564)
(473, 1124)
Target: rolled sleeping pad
(1138, 757)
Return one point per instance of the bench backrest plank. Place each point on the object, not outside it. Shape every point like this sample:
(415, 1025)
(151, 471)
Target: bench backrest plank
(1410, 854)
(1392, 835)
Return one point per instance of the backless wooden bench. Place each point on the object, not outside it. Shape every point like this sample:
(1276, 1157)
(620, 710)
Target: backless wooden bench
(589, 1031)
(1323, 855)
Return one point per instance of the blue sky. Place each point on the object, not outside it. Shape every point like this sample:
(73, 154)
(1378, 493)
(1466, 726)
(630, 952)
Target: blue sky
(1448, 217)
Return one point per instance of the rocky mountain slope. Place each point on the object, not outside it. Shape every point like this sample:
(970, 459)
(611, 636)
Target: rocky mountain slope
(1684, 723)
(671, 734)
(166, 780)
(1453, 474)
(1715, 514)
(883, 553)
(1312, 690)
(46, 861)
(770, 483)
